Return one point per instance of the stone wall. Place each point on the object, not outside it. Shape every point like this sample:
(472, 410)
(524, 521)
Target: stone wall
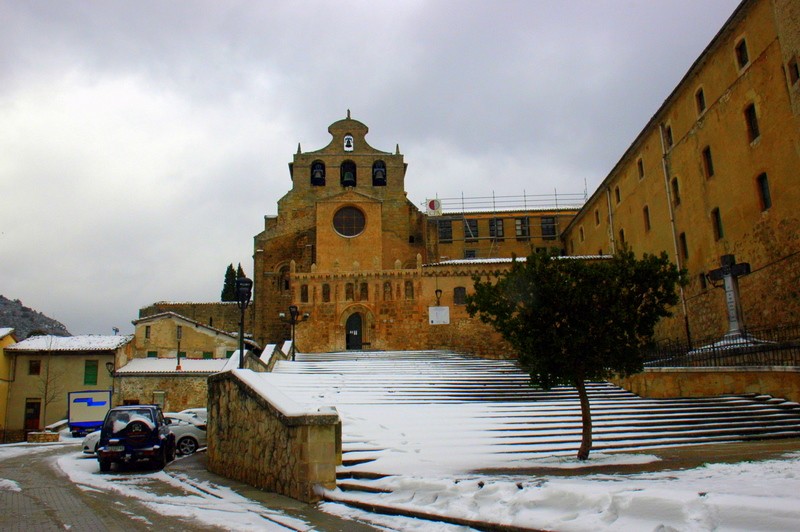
(223, 315)
(661, 383)
(252, 440)
(180, 391)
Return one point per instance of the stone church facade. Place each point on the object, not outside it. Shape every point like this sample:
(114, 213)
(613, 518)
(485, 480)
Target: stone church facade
(349, 249)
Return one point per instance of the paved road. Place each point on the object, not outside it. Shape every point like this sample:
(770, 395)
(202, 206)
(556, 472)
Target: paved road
(35, 494)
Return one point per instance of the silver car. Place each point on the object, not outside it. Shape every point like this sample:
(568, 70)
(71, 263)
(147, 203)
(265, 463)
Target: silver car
(90, 442)
(189, 431)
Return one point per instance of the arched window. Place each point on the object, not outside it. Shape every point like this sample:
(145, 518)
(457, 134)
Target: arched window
(317, 174)
(363, 292)
(348, 174)
(348, 292)
(387, 291)
(326, 293)
(283, 281)
(379, 174)
(409, 290)
(348, 143)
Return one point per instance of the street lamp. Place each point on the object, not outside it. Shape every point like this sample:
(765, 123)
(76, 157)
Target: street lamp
(110, 369)
(244, 289)
(294, 314)
(438, 293)
(179, 334)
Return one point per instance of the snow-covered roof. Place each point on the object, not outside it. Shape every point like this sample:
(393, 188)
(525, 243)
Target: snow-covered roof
(87, 342)
(170, 314)
(507, 260)
(5, 331)
(193, 303)
(144, 366)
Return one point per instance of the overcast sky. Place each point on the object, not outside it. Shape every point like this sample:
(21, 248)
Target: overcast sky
(141, 143)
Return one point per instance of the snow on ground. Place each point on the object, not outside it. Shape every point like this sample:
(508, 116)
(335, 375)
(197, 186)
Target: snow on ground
(188, 498)
(747, 496)
(430, 452)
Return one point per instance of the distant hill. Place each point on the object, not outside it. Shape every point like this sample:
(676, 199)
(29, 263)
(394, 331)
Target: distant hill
(25, 320)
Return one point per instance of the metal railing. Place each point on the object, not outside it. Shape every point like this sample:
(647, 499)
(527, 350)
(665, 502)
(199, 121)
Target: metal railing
(524, 201)
(774, 346)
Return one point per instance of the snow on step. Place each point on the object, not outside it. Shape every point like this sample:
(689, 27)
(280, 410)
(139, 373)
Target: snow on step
(428, 411)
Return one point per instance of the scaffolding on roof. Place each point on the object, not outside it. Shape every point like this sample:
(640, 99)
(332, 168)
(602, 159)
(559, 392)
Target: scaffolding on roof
(524, 202)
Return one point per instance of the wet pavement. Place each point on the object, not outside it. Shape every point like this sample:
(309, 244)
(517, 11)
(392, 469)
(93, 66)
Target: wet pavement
(41, 497)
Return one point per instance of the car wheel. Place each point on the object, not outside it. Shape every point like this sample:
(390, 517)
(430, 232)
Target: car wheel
(105, 466)
(187, 445)
(161, 459)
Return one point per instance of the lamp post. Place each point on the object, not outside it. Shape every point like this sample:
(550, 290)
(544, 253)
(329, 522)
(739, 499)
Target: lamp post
(293, 320)
(179, 334)
(244, 289)
(110, 369)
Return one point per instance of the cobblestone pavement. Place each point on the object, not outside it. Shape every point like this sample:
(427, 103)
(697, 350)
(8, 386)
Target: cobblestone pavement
(41, 497)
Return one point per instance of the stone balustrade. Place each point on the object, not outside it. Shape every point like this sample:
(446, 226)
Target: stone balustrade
(260, 437)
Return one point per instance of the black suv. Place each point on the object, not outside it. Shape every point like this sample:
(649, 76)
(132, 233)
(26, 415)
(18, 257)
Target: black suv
(133, 433)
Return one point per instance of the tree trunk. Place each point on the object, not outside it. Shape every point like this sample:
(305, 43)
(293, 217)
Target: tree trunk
(586, 418)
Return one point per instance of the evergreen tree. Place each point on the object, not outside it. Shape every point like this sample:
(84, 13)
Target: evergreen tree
(573, 321)
(229, 287)
(240, 272)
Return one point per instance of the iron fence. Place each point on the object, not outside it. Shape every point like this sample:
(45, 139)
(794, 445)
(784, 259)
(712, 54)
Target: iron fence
(774, 346)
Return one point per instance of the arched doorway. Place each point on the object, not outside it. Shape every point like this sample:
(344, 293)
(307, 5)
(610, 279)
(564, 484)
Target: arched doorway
(355, 331)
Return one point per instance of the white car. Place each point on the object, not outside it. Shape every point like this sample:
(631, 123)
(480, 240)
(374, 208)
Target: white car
(90, 442)
(201, 413)
(189, 431)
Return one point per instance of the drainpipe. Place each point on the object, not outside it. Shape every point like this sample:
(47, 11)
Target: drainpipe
(678, 260)
(611, 238)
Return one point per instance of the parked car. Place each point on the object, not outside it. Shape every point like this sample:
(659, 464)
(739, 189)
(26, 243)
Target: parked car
(201, 413)
(90, 442)
(189, 431)
(134, 433)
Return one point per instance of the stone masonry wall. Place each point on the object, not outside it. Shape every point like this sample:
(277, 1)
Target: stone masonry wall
(180, 391)
(252, 441)
(661, 383)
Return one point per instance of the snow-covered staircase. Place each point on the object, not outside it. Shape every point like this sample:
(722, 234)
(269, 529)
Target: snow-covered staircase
(410, 412)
